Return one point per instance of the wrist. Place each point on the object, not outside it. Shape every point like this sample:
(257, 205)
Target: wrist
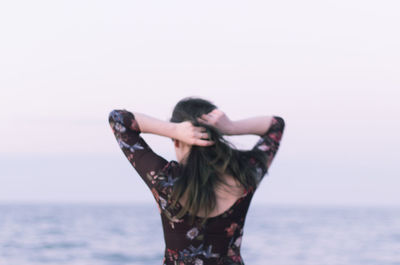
(173, 130)
(232, 129)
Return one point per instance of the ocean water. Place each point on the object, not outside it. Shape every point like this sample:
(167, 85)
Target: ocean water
(85, 234)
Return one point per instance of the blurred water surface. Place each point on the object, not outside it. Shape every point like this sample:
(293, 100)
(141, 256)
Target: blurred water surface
(81, 234)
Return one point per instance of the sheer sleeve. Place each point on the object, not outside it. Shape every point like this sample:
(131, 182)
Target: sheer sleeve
(268, 144)
(152, 168)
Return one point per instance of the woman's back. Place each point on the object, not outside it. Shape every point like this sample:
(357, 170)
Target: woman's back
(218, 240)
(226, 196)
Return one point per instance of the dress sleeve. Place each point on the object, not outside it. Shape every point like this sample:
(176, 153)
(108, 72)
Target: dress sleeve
(268, 144)
(147, 163)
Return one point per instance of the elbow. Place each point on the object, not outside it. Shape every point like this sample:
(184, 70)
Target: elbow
(111, 117)
(115, 116)
(280, 122)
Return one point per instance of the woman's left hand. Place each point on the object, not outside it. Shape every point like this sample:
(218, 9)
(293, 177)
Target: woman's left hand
(192, 135)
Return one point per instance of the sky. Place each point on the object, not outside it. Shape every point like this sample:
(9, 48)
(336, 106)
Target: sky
(329, 68)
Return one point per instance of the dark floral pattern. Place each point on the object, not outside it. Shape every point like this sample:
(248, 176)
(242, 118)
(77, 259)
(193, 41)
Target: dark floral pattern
(219, 240)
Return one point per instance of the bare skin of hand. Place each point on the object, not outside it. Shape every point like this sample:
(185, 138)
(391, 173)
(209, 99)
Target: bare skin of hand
(192, 135)
(218, 119)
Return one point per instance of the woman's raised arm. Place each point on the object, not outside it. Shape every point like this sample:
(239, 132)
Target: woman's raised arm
(183, 131)
(127, 127)
(147, 163)
(254, 125)
(269, 128)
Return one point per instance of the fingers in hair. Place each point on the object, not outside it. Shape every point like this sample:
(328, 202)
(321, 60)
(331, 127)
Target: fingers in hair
(203, 142)
(201, 120)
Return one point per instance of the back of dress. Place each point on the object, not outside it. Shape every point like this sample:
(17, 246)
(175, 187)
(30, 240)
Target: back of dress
(218, 241)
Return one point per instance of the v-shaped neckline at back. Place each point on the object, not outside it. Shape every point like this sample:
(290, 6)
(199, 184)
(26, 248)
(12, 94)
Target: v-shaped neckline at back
(224, 212)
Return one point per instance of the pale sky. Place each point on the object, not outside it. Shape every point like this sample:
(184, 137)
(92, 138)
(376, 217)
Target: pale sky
(330, 69)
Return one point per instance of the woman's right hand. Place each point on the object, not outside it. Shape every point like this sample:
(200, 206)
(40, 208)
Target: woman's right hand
(218, 119)
(192, 135)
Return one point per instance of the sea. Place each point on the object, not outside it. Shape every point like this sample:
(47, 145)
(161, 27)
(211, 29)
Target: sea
(131, 234)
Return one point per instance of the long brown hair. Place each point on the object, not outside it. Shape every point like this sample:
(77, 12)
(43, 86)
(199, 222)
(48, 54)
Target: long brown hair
(204, 166)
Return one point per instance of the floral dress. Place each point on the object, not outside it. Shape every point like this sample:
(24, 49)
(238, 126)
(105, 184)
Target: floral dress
(218, 241)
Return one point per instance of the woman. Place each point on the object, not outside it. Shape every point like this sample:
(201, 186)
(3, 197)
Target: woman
(203, 197)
